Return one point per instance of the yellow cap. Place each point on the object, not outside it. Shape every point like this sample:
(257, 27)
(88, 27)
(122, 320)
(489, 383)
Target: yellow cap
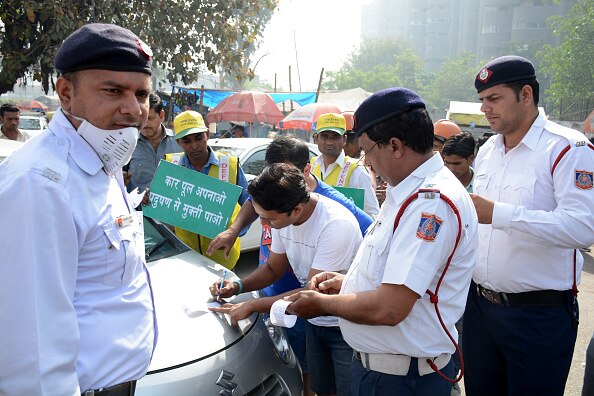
(188, 123)
(331, 122)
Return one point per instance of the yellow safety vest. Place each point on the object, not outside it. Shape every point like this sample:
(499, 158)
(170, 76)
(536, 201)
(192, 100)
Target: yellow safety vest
(198, 242)
(340, 177)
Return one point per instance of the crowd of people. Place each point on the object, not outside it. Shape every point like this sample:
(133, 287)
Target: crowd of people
(458, 261)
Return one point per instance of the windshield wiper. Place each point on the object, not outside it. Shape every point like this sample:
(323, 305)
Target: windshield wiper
(156, 246)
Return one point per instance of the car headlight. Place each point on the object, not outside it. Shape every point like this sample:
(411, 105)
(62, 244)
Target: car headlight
(280, 341)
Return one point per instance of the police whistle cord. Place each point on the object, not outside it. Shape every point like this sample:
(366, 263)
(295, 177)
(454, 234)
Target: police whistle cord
(574, 288)
(433, 295)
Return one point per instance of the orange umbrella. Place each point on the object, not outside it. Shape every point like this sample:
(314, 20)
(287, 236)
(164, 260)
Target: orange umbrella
(32, 105)
(306, 116)
(246, 106)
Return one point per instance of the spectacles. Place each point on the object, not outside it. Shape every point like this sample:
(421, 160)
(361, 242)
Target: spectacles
(362, 159)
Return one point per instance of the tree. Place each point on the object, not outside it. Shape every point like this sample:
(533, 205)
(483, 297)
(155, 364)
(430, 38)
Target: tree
(454, 80)
(379, 64)
(186, 37)
(570, 65)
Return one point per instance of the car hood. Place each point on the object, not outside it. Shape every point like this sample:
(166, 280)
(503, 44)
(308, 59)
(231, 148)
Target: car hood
(188, 332)
(8, 147)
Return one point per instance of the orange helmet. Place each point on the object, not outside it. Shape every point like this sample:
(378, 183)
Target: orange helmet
(350, 122)
(443, 129)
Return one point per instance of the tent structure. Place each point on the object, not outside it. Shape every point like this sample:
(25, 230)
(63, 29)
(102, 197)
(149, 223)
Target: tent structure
(347, 99)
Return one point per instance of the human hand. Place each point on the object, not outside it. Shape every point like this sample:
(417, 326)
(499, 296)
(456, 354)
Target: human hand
(380, 192)
(236, 312)
(146, 199)
(127, 177)
(484, 208)
(229, 289)
(224, 240)
(307, 304)
(326, 282)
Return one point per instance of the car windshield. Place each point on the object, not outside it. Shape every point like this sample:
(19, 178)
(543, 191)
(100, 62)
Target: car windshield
(29, 123)
(159, 241)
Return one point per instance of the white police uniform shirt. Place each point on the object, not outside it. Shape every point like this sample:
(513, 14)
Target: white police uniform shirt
(327, 241)
(75, 299)
(360, 178)
(415, 256)
(538, 219)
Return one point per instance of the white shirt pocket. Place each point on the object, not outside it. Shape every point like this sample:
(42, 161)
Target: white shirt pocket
(481, 181)
(376, 245)
(122, 252)
(518, 189)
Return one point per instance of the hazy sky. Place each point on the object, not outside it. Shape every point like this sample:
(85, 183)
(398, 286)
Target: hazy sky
(323, 32)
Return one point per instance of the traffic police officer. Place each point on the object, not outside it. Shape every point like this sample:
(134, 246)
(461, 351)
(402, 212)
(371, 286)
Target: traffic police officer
(420, 250)
(75, 298)
(534, 199)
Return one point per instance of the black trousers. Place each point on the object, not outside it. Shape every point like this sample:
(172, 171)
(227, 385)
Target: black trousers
(517, 350)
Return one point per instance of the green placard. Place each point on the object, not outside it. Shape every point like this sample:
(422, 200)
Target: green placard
(357, 195)
(191, 200)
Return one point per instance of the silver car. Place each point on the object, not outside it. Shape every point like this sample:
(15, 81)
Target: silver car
(198, 351)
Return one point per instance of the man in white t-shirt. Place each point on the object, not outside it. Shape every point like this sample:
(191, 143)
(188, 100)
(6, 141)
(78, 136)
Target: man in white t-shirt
(313, 234)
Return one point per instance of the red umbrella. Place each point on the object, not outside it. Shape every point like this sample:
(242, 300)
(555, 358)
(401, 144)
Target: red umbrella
(246, 106)
(306, 116)
(32, 105)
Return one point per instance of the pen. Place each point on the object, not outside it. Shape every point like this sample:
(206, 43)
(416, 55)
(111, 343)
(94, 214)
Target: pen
(222, 283)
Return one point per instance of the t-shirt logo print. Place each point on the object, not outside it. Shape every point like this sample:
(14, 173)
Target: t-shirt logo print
(584, 180)
(429, 227)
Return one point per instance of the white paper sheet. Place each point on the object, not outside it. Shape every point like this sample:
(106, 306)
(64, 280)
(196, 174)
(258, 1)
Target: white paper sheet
(278, 317)
(135, 197)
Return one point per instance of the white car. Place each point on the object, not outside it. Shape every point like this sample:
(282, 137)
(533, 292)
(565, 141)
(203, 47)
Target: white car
(251, 153)
(32, 124)
(198, 352)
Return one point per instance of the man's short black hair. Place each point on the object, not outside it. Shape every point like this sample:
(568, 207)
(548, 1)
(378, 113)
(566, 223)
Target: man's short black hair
(8, 108)
(288, 149)
(518, 85)
(463, 145)
(413, 127)
(351, 137)
(280, 187)
(155, 103)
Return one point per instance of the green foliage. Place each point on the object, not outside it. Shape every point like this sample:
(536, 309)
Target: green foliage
(453, 81)
(186, 36)
(570, 65)
(379, 64)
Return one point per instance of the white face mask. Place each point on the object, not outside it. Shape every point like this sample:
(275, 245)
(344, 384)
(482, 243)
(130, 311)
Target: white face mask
(114, 147)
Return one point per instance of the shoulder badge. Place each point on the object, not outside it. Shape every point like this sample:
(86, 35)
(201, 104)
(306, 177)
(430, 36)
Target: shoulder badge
(429, 227)
(584, 180)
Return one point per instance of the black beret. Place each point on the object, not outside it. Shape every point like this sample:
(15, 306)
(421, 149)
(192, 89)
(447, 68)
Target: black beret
(104, 47)
(502, 70)
(383, 105)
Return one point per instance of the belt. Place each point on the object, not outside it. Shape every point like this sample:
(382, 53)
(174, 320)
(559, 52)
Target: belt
(531, 299)
(123, 389)
(392, 364)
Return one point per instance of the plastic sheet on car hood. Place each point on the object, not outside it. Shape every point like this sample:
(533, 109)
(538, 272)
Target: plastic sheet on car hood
(187, 331)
